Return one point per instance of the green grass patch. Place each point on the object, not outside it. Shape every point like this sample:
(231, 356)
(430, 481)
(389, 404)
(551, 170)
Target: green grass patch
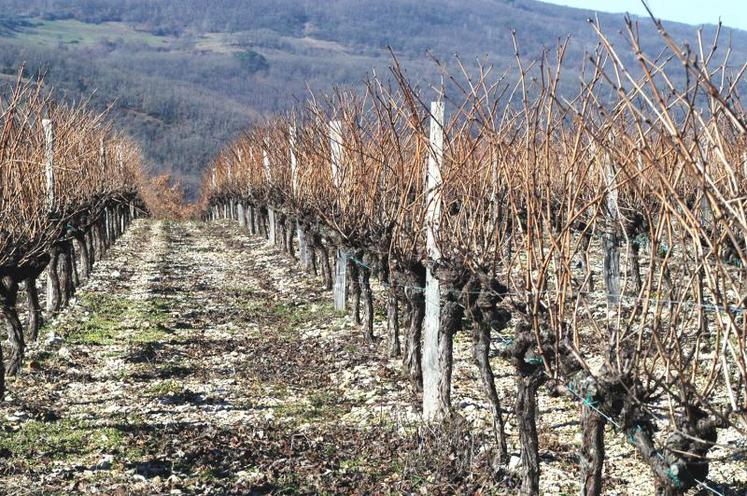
(320, 405)
(61, 440)
(112, 320)
(73, 32)
(285, 317)
(305, 313)
(163, 388)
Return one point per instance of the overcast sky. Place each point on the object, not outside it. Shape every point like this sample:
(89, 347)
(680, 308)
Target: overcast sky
(733, 13)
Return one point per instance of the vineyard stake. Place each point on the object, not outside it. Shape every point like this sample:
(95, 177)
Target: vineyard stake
(49, 140)
(270, 210)
(341, 259)
(303, 250)
(49, 172)
(432, 368)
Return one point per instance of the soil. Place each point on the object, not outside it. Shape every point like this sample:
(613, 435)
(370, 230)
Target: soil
(200, 360)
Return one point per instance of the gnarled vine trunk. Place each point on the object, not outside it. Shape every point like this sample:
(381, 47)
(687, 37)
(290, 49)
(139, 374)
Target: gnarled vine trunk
(35, 319)
(66, 272)
(54, 297)
(413, 277)
(481, 295)
(354, 287)
(592, 450)
(529, 377)
(82, 248)
(364, 279)
(8, 300)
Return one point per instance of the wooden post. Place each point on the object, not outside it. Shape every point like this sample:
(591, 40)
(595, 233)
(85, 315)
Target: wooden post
(231, 204)
(303, 252)
(49, 139)
(49, 173)
(611, 238)
(242, 216)
(270, 210)
(341, 257)
(432, 369)
(214, 208)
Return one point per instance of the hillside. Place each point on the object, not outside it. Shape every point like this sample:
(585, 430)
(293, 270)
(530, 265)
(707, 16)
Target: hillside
(185, 76)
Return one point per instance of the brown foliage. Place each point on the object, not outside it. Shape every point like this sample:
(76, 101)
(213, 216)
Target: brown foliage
(164, 198)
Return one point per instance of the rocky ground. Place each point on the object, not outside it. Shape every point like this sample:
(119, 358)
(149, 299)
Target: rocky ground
(198, 359)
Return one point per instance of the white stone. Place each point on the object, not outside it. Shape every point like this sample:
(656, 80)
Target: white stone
(53, 340)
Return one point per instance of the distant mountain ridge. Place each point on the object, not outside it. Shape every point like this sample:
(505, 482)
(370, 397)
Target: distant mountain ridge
(187, 75)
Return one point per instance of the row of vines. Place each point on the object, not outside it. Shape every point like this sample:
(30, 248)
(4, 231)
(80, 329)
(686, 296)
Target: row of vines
(596, 240)
(69, 186)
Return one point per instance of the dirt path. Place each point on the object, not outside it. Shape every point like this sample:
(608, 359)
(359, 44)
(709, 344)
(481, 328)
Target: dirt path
(181, 369)
(198, 360)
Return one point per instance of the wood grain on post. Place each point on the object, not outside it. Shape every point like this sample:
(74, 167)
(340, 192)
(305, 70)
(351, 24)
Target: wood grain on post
(49, 164)
(302, 245)
(341, 258)
(432, 369)
(270, 210)
(611, 239)
(48, 127)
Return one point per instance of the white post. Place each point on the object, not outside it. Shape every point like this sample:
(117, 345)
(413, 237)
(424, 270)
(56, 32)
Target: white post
(240, 208)
(302, 248)
(231, 206)
(270, 210)
(49, 139)
(102, 155)
(335, 140)
(341, 259)
(242, 218)
(432, 370)
(214, 208)
(49, 173)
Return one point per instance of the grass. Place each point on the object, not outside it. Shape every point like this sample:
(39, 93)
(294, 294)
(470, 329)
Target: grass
(113, 320)
(163, 388)
(72, 32)
(217, 43)
(284, 316)
(60, 440)
(51, 33)
(319, 405)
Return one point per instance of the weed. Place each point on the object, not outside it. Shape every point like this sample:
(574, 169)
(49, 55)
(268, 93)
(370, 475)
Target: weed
(163, 388)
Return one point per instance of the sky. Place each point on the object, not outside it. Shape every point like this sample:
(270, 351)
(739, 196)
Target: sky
(733, 13)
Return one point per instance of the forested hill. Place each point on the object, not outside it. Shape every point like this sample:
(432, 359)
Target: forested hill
(187, 75)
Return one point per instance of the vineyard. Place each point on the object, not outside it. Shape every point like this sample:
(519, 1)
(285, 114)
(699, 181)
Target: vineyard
(587, 248)
(595, 242)
(69, 187)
